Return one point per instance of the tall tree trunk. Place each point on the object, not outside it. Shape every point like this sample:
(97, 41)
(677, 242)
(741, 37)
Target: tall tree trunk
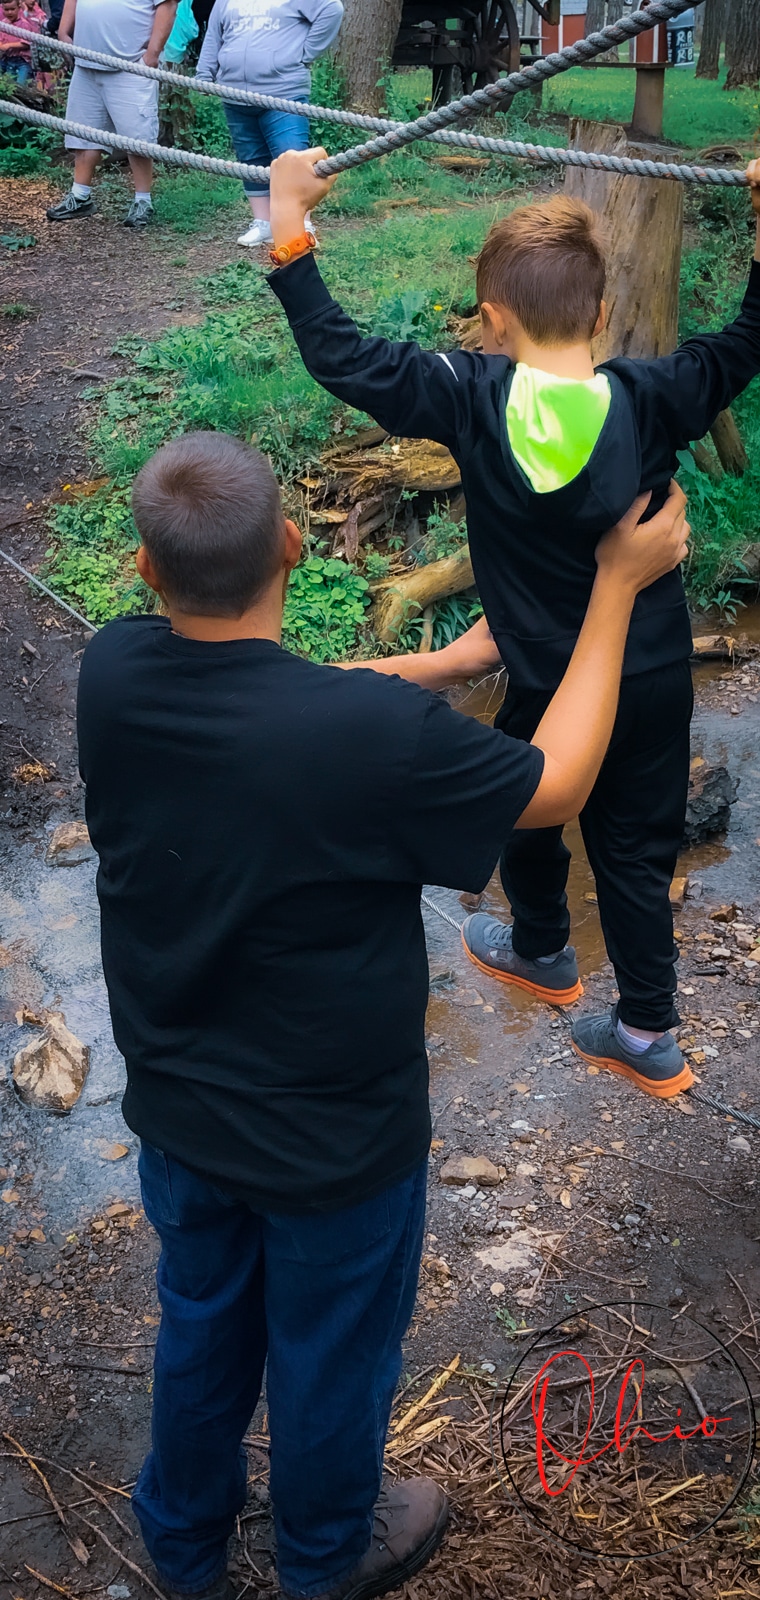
(365, 47)
(743, 45)
(713, 34)
(596, 16)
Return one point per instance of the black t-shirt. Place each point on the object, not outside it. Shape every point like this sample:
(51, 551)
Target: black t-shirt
(264, 827)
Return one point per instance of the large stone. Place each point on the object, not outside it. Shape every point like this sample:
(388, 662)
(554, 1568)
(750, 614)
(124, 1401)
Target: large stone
(51, 1071)
(712, 792)
(461, 1170)
(69, 846)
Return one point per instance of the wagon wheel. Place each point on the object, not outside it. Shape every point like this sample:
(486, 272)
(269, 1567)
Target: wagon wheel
(496, 41)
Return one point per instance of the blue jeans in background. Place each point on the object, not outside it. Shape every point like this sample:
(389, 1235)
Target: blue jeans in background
(259, 136)
(325, 1300)
(15, 67)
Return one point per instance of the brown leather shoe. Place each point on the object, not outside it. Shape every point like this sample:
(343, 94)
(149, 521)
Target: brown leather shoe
(410, 1522)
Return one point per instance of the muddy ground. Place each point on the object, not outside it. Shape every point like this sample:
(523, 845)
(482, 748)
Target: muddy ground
(608, 1194)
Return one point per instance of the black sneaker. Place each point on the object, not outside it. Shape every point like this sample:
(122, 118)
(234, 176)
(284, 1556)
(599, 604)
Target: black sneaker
(69, 207)
(220, 1589)
(488, 944)
(139, 214)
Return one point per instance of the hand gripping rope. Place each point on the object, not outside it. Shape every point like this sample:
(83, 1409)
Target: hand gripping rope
(394, 135)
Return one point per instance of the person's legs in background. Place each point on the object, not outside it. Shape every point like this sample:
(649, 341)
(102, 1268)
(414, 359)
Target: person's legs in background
(632, 827)
(209, 1363)
(85, 104)
(259, 136)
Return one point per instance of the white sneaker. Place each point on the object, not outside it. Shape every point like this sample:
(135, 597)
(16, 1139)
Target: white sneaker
(259, 233)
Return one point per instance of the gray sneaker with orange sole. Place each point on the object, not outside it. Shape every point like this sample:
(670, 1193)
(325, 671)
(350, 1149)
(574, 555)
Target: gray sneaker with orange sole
(659, 1070)
(488, 943)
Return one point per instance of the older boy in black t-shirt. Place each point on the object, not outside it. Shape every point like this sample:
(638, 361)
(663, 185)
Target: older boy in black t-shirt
(263, 827)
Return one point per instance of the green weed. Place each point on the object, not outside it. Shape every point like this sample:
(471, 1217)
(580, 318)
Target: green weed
(18, 311)
(90, 560)
(324, 609)
(189, 201)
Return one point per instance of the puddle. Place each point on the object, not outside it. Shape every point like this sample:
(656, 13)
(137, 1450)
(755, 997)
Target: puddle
(49, 927)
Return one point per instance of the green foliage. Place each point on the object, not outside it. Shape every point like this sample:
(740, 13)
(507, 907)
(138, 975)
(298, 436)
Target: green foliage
(698, 112)
(17, 241)
(210, 133)
(90, 561)
(236, 281)
(451, 618)
(188, 201)
(18, 311)
(412, 314)
(443, 537)
(376, 565)
(725, 519)
(24, 149)
(324, 609)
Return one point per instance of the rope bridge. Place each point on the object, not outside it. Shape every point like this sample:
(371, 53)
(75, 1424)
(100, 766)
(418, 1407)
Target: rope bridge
(433, 126)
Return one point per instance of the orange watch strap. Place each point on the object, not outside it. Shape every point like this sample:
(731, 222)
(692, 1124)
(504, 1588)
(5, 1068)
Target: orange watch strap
(301, 246)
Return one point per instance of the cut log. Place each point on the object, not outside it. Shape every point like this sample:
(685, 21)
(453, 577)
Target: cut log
(414, 464)
(643, 224)
(399, 599)
(649, 103)
(728, 443)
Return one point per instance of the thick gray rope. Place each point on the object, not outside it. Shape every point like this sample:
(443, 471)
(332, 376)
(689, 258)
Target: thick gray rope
(136, 147)
(401, 134)
(546, 155)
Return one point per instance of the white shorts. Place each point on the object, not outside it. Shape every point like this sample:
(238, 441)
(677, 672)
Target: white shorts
(117, 102)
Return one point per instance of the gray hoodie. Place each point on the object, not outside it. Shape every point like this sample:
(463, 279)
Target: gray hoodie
(268, 45)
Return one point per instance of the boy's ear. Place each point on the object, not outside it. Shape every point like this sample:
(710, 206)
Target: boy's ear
(293, 545)
(601, 321)
(499, 326)
(147, 570)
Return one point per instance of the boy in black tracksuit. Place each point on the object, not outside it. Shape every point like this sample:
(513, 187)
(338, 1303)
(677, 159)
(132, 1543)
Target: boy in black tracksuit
(551, 453)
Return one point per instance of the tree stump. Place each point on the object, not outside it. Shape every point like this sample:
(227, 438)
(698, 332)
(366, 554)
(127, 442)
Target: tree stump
(643, 224)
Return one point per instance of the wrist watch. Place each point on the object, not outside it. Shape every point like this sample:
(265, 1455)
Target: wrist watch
(301, 246)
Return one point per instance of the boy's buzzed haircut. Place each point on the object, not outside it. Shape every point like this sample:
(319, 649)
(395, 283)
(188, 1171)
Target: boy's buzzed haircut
(546, 264)
(208, 510)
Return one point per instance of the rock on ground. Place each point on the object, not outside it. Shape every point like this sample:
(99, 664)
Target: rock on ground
(712, 792)
(51, 1071)
(69, 846)
(470, 1169)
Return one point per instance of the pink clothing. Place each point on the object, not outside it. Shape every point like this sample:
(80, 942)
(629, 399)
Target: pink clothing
(31, 17)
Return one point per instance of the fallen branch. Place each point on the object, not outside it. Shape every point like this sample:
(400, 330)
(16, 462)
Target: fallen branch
(397, 599)
(79, 1549)
(419, 1405)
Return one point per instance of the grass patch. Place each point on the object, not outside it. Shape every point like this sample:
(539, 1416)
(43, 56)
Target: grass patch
(698, 111)
(18, 311)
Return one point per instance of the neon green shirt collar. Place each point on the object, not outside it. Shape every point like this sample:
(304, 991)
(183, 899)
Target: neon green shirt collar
(553, 424)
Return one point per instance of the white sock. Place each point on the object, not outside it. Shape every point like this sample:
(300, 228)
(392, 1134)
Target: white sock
(544, 961)
(142, 194)
(81, 191)
(631, 1041)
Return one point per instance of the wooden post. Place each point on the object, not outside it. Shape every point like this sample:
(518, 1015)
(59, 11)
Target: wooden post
(649, 104)
(643, 223)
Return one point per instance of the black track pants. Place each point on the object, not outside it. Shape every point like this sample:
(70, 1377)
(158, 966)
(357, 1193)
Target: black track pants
(632, 826)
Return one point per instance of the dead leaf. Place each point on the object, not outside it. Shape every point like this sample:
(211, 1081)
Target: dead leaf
(566, 1199)
(114, 1152)
(11, 1197)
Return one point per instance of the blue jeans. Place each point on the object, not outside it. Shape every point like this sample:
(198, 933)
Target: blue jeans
(325, 1300)
(259, 136)
(20, 70)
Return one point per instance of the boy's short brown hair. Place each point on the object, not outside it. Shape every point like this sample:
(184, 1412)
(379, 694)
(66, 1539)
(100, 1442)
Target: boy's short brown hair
(208, 510)
(546, 264)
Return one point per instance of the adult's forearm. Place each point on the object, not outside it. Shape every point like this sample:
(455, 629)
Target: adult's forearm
(163, 22)
(432, 670)
(66, 24)
(576, 728)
